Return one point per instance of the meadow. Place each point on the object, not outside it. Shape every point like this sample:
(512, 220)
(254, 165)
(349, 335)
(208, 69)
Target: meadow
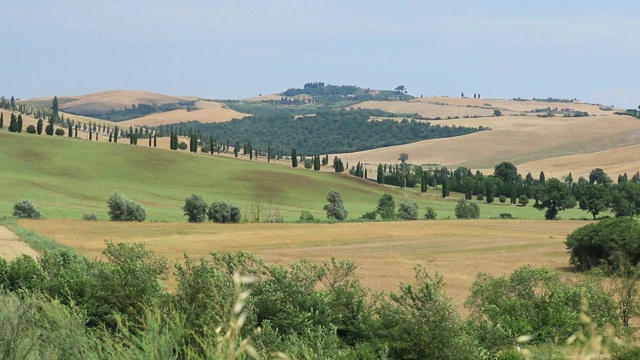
(385, 252)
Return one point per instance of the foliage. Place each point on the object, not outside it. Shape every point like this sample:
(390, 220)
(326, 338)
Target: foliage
(326, 132)
(523, 200)
(306, 216)
(408, 210)
(195, 209)
(123, 209)
(594, 199)
(609, 241)
(505, 216)
(386, 207)
(555, 197)
(335, 208)
(60, 132)
(26, 209)
(31, 129)
(430, 213)
(625, 199)
(534, 302)
(497, 112)
(370, 215)
(466, 209)
(221, 212)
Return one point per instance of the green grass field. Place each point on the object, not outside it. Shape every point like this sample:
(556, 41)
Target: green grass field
(68, 177)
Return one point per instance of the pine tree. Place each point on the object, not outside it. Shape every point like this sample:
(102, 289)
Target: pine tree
(294, 158)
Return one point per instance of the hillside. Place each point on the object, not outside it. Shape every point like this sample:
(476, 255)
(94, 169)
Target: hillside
(532, 143)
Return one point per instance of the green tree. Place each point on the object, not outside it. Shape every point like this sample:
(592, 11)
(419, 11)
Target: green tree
(598, 176)
(70, 129)
(294, 158)
(195, 209)
(335, 208)
(507, 172)
(625, 199)
(430, 213)
(523, 200)
(555, 196)
(445, 187)
(26, 209)
(380, 174)
(13, 124)
(386, 207)
(408, 210)
(594, 199)
(541, 178)
(1, 120)
(13, 104)
(466, 209)
(497, 112)
(54, 107)
(19, 123)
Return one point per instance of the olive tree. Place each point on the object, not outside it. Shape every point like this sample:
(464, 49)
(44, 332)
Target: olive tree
(195, 209)
(335, 208)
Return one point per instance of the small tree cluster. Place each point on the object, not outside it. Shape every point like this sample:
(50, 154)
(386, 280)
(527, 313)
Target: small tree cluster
(466, 209)
(26, 209)
(221, 212)
(123, 209)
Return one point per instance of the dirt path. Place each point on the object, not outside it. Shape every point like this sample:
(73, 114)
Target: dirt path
(11, 247)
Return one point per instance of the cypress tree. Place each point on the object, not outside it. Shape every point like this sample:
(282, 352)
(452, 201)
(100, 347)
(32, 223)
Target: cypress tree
(150, 140)
(269, 153)
(70, 130)
(54, 106)
(445, 188)
(110, 137)
(294, 158)
(13, 123)
(13, 104)
(1, 118)
(236, 149)
(155, 139)
(90, 133)
(97, 135)
(39, 126)
(115, 135)
(541, 178)
(380, 175)
(76, 132)
(19, 123)
(316, 162)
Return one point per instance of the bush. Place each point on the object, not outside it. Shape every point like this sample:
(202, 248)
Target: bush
(182, 145)
(371, 215)
(195, 209)
(502, 199)
(48, 130)
(306, 216)
(123, 209)
(523, 200)
(505, 216)
(31, 129)
(611, 241)
(467, 210)
(480, 197)
(26, 209)
(59, 132)
(221, 212)
(497, 112)
(308, 164)
(430, 214)
(90, 217)
(408, 210)
(386, 207)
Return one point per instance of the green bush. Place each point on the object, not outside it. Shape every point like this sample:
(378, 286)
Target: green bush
(386, 207)
(335, 208)
(371, 215)
(31, 129)
(609, 241)
(306, 216)
(480, 197)
(195, 209)
(221, 212)
(467, 209)
(430, 214)
(123, 209)
(408, 210)
(502, 199)
(505, 216)
(90, 216)
(523, 200)
(59, 132)
(26, 209)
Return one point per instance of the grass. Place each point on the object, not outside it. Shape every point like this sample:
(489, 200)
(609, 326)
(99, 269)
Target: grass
(69, 177)
(385, 252)
(35, 240)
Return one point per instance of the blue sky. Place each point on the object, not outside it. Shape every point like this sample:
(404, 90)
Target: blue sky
(229, 49)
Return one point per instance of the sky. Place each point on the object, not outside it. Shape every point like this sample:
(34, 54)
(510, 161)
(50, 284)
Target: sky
(232, 49)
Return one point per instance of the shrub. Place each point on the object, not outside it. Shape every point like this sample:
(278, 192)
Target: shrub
(505, 216)
(306, 216)
(221, 212)
(523, 200)
(611, 241)
(335, 208)
(467, 210)
(90, 217)
(31, 129)
(502, 199)
(48, 130)
(26, 209)
(182, 145)
(59, 132)
(308, 164)
(430, 214)
(497, 112)
(195, 209)
(371, 215)
(123, 209)
(408, 210)
(480, 197)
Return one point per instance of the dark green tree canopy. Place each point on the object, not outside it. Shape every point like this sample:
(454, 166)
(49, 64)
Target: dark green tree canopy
(507, 172)
(555, 196)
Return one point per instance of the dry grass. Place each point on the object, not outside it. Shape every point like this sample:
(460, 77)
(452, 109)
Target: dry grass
(11, 247)
(117, 99)
(208, 112)
(523, 140)
(384, 252)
